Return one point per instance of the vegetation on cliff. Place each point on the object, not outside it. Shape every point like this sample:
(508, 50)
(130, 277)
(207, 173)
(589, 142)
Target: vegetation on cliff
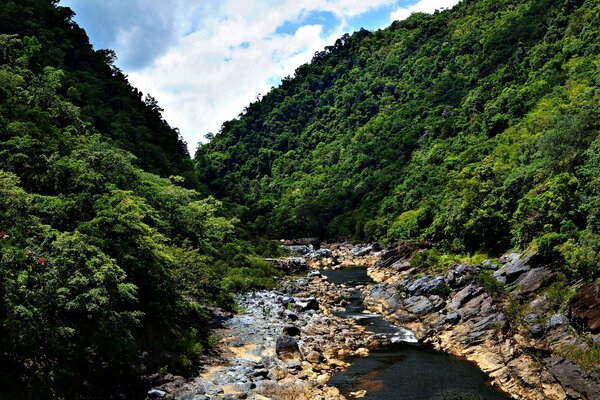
(104, 266)
(474, 128)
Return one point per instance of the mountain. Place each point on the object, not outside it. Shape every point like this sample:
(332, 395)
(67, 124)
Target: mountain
(474, 128)
(109, 263)
(100, 90)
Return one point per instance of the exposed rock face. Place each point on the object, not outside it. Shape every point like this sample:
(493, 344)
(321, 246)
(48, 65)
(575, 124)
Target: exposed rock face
(584, 308)
(457, 315)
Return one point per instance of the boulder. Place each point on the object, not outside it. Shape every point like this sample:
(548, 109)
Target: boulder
(298, 250)
(584, 308)
(533, 280)
(465, 295)
(156, 394)
(293, 265)
(418, 305)
(425, 285)
(515, 266)
(307, 304)
(286, 346)
(320, 254)
(362, 251)
(291, 330)
(452, 318)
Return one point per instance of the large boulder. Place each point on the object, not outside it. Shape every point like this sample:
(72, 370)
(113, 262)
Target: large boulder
(291, 265)
(286, 347)
(515, 267)
(584, 308)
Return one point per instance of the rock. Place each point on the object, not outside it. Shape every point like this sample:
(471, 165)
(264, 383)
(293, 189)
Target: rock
(452, 318)
(376, 246)
(358, 394)
(536, 331)
(320, 254)
(584, 307)
(361, 352)
(322, 379)
(425, 285)
(156, 394)
(418, 305)
(286, 346)
(314, 357)
(291, 330)
(308, 304)
(515, 265)
(465, 295)
(298, 250)
(291, 316)
(387, 258)
(362, 251)
(556, 320)
(291, 265)
(533, 280)
(577, 383)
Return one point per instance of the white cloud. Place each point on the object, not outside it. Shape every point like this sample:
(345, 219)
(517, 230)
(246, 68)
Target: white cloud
(205, 60)
(208, 77)
(426, 6)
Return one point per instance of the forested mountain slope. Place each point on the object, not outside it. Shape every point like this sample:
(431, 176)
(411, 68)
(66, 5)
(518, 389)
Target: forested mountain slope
(99, 89)
(475, 128)
(105, 268)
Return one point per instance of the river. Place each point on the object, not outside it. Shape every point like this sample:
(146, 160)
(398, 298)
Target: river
(405, 369)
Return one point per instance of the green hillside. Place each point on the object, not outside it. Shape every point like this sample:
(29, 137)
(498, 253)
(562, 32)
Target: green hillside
(105, 268)
(92, 83)
(474, 128)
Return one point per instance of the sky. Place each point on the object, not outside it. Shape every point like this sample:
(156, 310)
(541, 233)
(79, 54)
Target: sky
(205, 60)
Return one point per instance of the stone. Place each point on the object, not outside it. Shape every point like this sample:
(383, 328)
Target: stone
(291, 330)
(286, 346)
(536, 331)
(466, 294)
(418, 305)
(320, 254)
(362, 251)
(308, 304)
(156, 394)
(515, 265)
(577, 383)
(584, 307)
(298, 250)
(533, 280)
(425, 285)
(452, 318)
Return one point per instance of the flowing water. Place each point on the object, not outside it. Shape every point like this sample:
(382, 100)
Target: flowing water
(404, 370)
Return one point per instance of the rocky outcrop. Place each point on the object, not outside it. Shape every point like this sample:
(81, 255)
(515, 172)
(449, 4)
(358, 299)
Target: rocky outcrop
(516, 338)
(584, 308)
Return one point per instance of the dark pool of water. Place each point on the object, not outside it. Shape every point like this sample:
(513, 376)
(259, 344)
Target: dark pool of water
(406, 371)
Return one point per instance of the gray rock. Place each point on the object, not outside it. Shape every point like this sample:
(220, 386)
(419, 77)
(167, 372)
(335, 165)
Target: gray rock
(556, 321)
(299, 250)
(418, 305)
(533, 280)
(536, 331)
(465, 295)
(286, 345)
(425, 285)
(452, 318)
(576, 382)
(362, 251)
(515, 265)
(307, 304)
(156, 394)
(320, 254)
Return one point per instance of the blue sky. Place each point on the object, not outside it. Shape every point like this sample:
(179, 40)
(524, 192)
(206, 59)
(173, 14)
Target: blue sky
(205, 60)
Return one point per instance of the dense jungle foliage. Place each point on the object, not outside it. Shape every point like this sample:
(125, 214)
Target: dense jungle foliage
(105, 268)
(474, 128)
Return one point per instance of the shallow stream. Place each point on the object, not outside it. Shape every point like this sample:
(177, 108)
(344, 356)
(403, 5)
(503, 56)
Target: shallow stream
(405, 369)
